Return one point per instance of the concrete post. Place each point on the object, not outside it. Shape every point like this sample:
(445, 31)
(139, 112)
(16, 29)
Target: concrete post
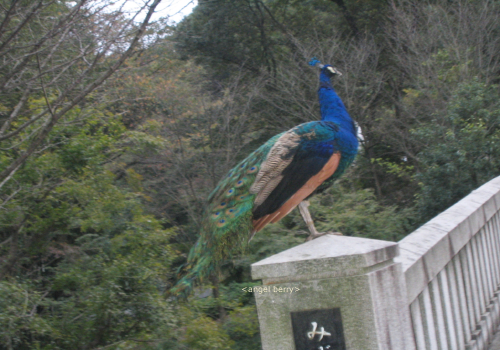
(333, 293)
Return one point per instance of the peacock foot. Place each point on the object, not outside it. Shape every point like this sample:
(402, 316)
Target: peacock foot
(319, 234)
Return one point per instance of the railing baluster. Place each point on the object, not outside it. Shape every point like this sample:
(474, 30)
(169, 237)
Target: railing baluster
(496, 245)
(418, 324)
(495, 249)
(479, 273)
(490, 247)
(473, 289)
(458, 314)
(429, 326)
(496, 221)
(438, 314)
(447, 309)
(485, 262)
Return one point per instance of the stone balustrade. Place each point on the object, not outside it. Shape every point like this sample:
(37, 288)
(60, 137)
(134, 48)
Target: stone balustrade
(452, 271)
(436, 289)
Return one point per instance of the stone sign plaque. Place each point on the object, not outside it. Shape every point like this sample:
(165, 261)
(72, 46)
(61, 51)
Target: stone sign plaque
(318, 330)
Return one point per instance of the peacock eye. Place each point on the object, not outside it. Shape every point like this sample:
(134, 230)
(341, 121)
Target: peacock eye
(230, 191)
(252, 170)
(223, 204)
(231, 210)
(240, 182)
(222, 221)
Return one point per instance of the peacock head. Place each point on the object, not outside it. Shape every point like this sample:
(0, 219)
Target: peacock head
(326, 69)
(330, 71)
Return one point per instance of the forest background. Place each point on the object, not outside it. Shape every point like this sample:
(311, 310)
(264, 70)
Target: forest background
(114, 130)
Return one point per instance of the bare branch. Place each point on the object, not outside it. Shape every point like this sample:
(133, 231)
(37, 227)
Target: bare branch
(57, 110)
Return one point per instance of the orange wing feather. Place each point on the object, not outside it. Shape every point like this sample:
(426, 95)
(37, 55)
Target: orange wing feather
(309, 187)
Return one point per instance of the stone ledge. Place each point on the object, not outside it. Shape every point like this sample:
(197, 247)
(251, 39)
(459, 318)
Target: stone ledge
(328, 256)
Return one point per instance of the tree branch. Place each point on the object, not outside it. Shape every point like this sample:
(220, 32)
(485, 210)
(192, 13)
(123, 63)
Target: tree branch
(8, 171)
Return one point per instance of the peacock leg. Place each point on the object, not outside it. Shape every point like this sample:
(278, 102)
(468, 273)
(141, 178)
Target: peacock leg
(310, 224)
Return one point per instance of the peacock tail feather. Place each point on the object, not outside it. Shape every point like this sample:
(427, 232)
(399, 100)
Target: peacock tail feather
(227, 221)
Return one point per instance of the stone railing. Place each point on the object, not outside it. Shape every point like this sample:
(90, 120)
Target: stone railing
(452, 270)
(434, 290)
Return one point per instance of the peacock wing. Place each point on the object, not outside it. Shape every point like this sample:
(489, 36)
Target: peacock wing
(300, 160)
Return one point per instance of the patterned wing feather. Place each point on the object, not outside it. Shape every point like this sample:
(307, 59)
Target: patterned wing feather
(278, 158)
(297, 156)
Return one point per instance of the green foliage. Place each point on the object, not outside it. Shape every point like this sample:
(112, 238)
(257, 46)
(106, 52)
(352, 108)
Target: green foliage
(242, 326)
(19, 321)
(86, 267)
(204, 333)
(105, 291)
(94, 226)
(357, 213)
(463, 148)
(112, 288)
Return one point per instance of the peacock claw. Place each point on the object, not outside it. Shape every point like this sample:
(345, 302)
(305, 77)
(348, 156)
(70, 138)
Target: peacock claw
(310, 224)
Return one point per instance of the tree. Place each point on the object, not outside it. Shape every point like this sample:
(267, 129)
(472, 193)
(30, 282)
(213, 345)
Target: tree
(78, 249)
(462, 148)
(61, 52)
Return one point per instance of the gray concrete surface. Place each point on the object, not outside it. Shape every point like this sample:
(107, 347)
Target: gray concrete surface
(495, 344)
(356, 275)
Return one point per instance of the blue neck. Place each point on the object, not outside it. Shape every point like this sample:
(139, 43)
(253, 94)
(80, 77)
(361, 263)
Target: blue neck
(332, 107)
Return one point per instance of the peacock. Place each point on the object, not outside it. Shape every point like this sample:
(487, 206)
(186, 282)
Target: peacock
(274, 179)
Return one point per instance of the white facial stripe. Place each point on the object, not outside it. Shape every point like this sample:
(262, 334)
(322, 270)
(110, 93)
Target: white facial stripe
(334, 71)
